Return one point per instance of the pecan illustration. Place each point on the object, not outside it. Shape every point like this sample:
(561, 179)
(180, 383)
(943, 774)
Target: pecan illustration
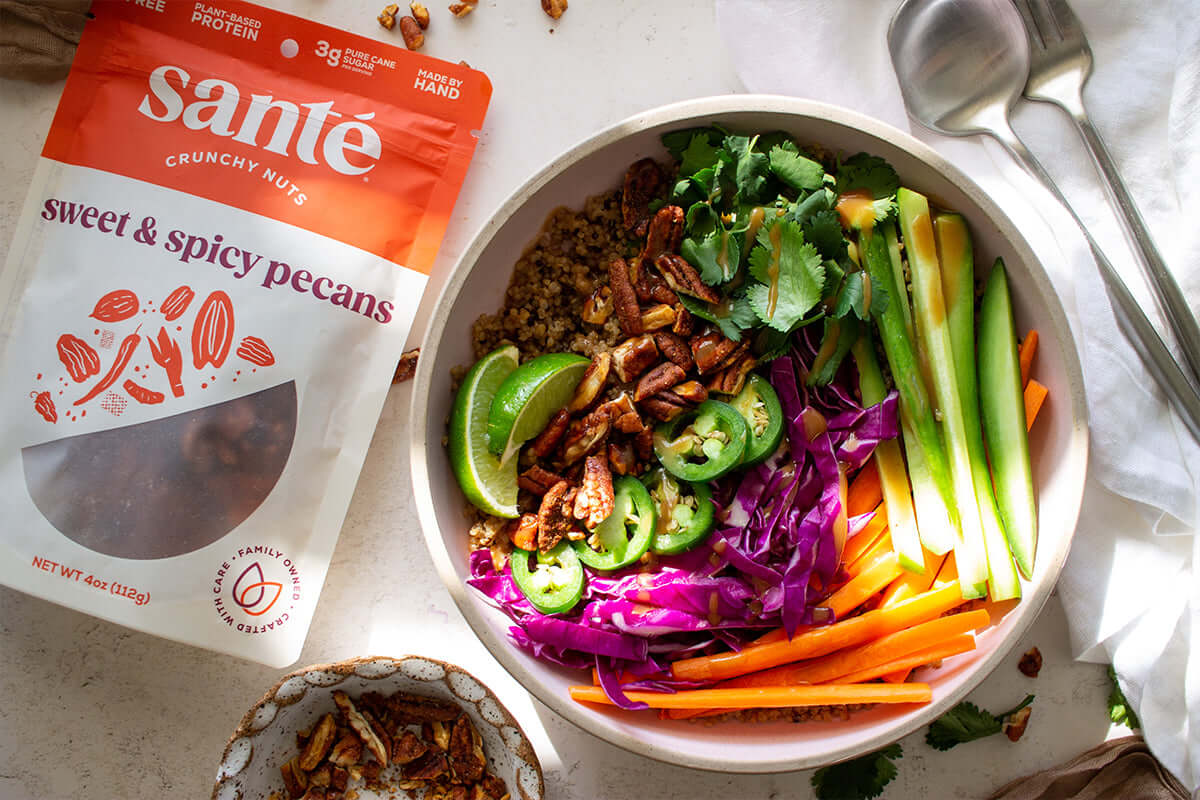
(116, 306)
(595, 499)
(255, 350)
(176, 303)
(212, 333)
(643, 180)
(78, 357)
(625, 301)
(44, 406)
(683, 277)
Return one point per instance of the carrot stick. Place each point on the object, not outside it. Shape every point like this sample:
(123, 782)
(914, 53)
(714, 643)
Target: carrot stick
(905, 664)
(1035, 395)
(822, 640)
(881, 571)
(870, 534)
(872, 654)
(836, 694)
(881, 546)
(1025, 355)
(910, 584)
(865, 492)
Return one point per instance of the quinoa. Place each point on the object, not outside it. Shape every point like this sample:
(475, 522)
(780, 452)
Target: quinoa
(552, 279)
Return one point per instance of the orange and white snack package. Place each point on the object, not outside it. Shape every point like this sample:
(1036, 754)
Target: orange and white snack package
(214, 274)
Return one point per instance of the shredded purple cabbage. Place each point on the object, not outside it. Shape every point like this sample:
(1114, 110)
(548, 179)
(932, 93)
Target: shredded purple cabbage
(775, 541)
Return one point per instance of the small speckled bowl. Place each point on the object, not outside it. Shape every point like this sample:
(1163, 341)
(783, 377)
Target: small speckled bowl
(266, 736)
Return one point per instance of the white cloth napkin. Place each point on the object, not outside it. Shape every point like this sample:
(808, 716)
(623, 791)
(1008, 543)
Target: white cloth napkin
(1129, 588)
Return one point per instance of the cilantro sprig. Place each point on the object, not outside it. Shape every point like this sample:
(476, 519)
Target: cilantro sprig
(861, 778)
(967, 722)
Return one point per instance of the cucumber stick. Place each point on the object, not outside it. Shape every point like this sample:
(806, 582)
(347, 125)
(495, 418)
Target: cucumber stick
(928, 468)
(933, 334)
(957, 259)
(892, 474)
(1003, 408)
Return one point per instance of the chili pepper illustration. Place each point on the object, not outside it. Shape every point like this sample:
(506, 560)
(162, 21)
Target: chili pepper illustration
(142, 394)
(78, 357)
(43, 405)
(212, 333)
(124, 353)
(116, 306)
(166, 355)
(176, 303)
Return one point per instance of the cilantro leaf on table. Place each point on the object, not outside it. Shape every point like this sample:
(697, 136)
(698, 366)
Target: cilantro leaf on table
(861, 778)
(732, 317)
(868, 173)
(1119, 709)
(790, 274)
(751, 168)
(967, 722)
(796, 171)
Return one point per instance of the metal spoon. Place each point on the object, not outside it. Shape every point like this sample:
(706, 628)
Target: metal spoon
(962, 64)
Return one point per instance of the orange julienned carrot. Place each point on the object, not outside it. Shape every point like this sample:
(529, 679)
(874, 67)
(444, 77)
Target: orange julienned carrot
(865, 492)
(854, 659)
(1025, 355)
(870, 579)
(822, 640)
(859, 542)
(1035, 395)
(769, 696)
(881, 546)
(905, 664)
(911, 584)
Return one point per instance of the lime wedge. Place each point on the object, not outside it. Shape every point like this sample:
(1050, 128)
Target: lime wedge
(488, 484)
(528, 398)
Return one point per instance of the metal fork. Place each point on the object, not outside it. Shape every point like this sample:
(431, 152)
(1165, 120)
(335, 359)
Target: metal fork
(1061, 62)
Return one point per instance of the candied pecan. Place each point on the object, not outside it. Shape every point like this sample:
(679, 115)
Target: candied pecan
(295, 780)
(438, 733)
(544, 443)
(428, 767)
(387, 21)
(406, 367)
(685, 323)
(554, 8)
(584, 434)
(493, 787)
(621, 458)
(322, 775)
(625, 301)
(461, 9)
(650, 287)
(381, 733)
(662, 377)
(537, 479)
(408, 709)
(664, 235)
(410, 29)
(466, 751)
(626, 416)
(710, 349)
(659, 317)
(732, 376)
(371, 770)
(634, 356)
(594, 501)
(693, 392)
(643, 180)
(315, 793)
(598, 307)
(675, 349)
(319, 743)
(361, 726)
(1015, 724)
(664, 407)
(407, 747)
(338, 778)
(346, 751)
(1031, 663)
(683, 277)
(553, 524)
(420, 13)
(592, 382)
(643, 443)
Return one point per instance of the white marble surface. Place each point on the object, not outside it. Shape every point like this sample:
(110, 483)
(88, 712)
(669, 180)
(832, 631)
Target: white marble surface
(95, 710)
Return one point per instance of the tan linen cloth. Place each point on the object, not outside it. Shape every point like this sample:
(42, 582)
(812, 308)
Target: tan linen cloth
(37, 39)
(1122, 769)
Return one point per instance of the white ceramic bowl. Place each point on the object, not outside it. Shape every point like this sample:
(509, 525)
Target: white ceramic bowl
(1059, 442)
(266, 736)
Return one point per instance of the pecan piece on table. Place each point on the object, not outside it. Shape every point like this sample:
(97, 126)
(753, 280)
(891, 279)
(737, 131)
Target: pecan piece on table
(595, 499)
(661, 378)
(466, 751)
(683, 277)
(658, 317)
(410, 29)
(592, 382)
(361, 726)
(710, 350)
(420, 13)
(598, 307)
(554, 8)
(319, 743)
(544, 443)
(584, 434)
(553, 522)
(731, 377)
(634, 356)
(643, 180)
(1031, 663)
(407, 748)
(537, 479)
(1015, 724)
(664, 235)
(625, 301)
(406, 367)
